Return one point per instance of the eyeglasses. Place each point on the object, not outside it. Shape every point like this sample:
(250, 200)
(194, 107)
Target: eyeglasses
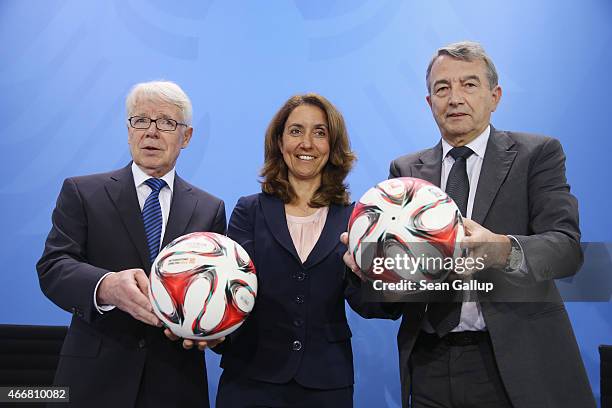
(163, 124)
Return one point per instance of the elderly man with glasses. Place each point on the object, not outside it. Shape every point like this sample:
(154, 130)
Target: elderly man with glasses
(107, 229)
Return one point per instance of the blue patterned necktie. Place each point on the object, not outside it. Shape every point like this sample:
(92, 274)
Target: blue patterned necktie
(152, 217)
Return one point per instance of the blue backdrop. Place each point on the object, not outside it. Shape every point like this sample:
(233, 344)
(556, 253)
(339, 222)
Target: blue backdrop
(66, 67)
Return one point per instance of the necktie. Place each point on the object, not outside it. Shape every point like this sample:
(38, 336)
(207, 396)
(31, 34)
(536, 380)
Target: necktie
(152, 217)
(458, 184)
(445, 316)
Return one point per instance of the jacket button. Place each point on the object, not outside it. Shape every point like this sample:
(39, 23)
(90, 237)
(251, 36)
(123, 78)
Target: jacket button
(298, 322)
(300, 276)
(296, 345)
(142, 343)
(299, 299)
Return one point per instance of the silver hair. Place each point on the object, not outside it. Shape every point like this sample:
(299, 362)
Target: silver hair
(165, 91)
(465, 51)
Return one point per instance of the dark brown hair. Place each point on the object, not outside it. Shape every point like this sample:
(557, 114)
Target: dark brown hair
(333, 189)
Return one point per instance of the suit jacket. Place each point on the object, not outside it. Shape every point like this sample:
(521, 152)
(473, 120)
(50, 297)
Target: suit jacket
(298, 328)
(111, 359)
(522, 191)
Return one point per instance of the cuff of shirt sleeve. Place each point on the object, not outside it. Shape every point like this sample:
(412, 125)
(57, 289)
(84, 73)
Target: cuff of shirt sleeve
(101, 308)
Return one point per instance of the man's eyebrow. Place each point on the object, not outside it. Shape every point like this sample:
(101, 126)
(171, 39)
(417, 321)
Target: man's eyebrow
(441, 81)
(469, 77)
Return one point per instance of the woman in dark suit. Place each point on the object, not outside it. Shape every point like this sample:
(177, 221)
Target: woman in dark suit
(295, 349)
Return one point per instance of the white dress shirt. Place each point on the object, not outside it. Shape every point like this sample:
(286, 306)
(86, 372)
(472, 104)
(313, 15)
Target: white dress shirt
(165, 194)
(143, 191)
(471, 315)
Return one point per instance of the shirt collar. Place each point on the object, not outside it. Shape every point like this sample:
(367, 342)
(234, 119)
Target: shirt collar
(140, 176)
(478, 145)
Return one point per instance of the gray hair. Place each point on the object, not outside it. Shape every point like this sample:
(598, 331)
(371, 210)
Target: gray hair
(465, 51)
(166, 91)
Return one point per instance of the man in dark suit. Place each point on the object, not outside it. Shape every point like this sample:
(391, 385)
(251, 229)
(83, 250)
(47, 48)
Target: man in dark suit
(523, 221)
(107, 228)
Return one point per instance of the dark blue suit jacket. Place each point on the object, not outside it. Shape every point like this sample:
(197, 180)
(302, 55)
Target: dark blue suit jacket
(111, 359)
(298, 328)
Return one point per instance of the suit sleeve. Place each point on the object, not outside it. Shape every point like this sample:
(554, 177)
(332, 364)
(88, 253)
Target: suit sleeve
(240, 230)
(393, 170)
(553, 249)
(220, 222)
(241, 226)
(64, 275)
(355, 296)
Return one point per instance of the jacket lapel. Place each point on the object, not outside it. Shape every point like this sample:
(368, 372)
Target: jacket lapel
(495, 167)
(181, 210)
(430, 167)
(274, 214)
(335, 224)
(122, 193)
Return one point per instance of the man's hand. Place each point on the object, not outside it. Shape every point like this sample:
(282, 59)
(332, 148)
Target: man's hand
(348, 259)
(188, 344)
(492, 248)
(129, 291)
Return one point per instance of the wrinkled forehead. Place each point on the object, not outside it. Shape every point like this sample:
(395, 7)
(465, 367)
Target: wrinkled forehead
(449, 67)
(155, 106)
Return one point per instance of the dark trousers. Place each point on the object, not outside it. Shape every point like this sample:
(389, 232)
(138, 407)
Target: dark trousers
(456, 372)
(236, 391)
(157, 390)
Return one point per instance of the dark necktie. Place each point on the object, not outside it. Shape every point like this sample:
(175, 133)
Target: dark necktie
(445, 316)
(152, 217)
(458, 184)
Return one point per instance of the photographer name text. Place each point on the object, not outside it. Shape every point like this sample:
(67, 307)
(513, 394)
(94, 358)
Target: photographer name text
(423, 284)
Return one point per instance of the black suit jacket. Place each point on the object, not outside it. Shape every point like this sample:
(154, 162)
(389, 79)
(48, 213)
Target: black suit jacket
(522, 191)
(111, 359)
(295, 302)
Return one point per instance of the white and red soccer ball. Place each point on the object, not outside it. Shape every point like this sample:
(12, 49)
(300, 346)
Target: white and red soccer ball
(405, 217)
(202, 286)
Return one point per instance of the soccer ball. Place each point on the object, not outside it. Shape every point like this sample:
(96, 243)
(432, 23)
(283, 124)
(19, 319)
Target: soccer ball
(202, 286)
(405, 229)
